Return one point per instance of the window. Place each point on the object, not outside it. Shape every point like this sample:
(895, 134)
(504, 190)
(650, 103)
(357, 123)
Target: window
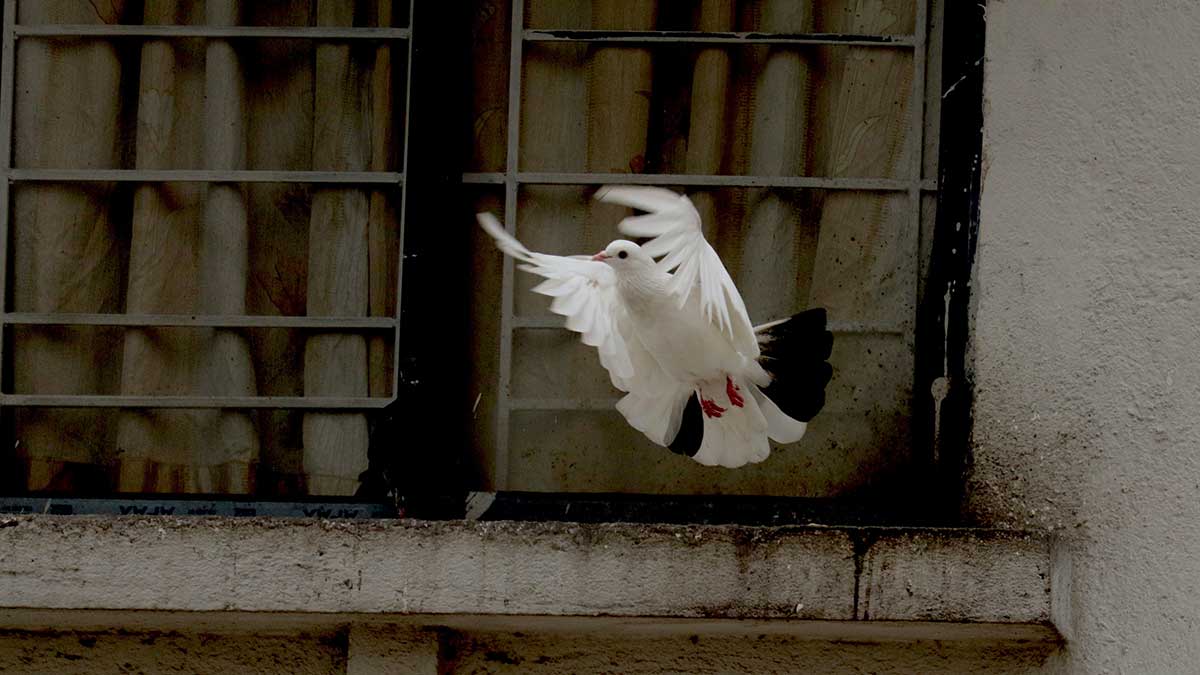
(201, 226)
(209, 201)
(807, 135)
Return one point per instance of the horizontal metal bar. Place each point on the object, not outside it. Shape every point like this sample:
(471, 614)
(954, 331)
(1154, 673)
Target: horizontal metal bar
(122, 401)
(223, 32)
(562, 403)
(204, 176)
(201, 320)
(680, 37)
(696, 180)
(196, 505)
(556, 323)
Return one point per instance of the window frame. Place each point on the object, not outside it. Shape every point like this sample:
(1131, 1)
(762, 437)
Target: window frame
(941, 429)
(400, 38)
(424, 476)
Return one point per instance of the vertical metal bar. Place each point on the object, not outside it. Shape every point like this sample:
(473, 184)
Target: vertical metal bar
(512, 165)
(7, 70)
(916, 141)
(403, 205)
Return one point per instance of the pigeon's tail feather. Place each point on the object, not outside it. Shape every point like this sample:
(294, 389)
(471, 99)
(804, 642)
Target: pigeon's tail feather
(795, 352)
(730, 435)
(656, 415)
(738, 434)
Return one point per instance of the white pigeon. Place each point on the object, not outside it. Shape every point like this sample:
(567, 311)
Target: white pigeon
(675, 336)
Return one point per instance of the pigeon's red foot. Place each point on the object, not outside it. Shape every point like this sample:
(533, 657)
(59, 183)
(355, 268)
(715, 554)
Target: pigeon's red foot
(710, 407)
(732, 389)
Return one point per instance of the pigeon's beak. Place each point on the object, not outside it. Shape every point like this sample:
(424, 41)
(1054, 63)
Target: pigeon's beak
(601, 256)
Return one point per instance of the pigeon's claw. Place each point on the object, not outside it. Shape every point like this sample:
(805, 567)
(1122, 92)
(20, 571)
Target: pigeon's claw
(710, 407)
(732, 390)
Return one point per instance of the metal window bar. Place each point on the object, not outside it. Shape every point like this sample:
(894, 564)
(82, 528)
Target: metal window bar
(915, 149)
(701, 180)
(10, 32)
(512, 178)
(683, 37)
(7, 91)
(205, 176)
(112, 31)
(511, 186)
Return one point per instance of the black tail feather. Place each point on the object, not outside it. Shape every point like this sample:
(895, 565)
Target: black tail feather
(795, 352)
(691, 429)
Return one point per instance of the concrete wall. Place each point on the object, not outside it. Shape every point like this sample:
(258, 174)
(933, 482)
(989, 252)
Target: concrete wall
(1087, 330)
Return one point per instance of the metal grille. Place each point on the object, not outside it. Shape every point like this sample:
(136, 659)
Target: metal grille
(11, 32)
(512, 177)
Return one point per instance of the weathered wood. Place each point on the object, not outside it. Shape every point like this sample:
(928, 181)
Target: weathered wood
(865, 103)
(156, 447)
(381, 242)
(335, 444)
(707, 140)
(279, 100)
(619, 90)
(231, 444)
(768, 264)
(65, 252)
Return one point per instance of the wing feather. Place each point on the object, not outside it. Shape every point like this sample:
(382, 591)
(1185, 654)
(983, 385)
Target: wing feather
(584, 292)
(673, 224)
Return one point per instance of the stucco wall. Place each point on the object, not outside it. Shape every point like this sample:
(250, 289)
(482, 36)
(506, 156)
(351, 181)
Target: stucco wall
(1087, 329)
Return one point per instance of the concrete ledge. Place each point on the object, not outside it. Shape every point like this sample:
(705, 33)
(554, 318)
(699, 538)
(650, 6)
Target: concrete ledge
(524, 568)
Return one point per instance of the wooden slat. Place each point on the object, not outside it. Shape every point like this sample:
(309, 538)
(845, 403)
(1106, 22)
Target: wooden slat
(163, 240)
(379, 250)
(66, 239)
(706, 137)
(766, 252)
(335, 444)
(227, 368)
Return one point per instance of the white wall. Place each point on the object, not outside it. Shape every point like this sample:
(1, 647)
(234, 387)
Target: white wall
(1087, 334)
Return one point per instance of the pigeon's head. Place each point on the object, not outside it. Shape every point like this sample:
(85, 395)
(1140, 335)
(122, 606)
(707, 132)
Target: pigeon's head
(624, 255)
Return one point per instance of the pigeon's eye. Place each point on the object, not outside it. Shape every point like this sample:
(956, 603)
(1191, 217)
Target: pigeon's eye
(622, 255)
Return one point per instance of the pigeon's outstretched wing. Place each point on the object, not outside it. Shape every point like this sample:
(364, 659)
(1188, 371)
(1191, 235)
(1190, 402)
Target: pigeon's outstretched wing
(673, 224)
(584, 292)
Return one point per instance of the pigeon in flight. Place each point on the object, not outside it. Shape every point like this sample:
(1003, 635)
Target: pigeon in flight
(674, 335)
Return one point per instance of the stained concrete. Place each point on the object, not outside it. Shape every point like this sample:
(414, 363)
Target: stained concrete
(563, 569)
(1087, 325)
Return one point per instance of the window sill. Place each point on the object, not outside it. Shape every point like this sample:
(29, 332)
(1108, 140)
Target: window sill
(875, 576)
